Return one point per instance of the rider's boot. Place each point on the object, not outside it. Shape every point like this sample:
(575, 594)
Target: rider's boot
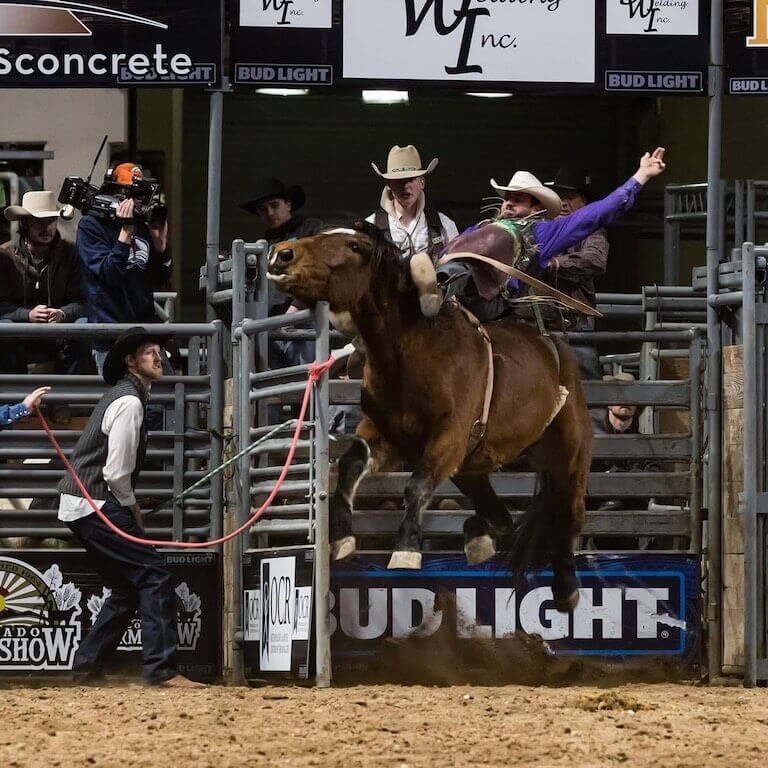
(435, 286)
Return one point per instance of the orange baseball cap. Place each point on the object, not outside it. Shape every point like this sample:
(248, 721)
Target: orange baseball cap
(125, 173)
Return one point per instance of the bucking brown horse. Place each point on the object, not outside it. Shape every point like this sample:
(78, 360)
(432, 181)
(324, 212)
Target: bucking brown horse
(423, 394)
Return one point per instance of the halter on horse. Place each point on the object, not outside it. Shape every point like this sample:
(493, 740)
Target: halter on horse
(424, 389)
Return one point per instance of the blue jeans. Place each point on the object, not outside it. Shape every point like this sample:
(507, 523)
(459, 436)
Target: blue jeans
(138, 578)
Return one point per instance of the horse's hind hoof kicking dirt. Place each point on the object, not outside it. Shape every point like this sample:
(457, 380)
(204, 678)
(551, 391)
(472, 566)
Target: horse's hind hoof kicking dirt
(343, 548)
(405, 560)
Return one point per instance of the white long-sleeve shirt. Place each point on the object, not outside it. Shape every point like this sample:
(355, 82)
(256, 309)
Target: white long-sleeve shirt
(413, 237)
(122, 424)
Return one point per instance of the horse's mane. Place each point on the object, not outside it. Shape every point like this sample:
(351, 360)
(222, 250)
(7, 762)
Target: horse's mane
(386, 256)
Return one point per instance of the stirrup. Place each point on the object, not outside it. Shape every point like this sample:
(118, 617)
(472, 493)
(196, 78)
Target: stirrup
(425, 279)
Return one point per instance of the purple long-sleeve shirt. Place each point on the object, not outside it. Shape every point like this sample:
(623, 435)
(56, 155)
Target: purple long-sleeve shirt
(556, 236)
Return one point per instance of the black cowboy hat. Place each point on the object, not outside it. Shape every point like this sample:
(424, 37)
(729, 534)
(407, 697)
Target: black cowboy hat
(267, 189)
(571, 179)
(126, 344)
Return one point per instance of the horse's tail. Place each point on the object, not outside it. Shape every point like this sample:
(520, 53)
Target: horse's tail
(527, 546)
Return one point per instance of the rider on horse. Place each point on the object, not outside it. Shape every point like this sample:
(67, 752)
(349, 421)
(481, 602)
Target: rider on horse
(527, 233)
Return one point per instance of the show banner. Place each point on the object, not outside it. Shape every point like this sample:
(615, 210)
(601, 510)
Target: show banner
(50, 599)
(46, 44)
(613, 45)
(746, 46)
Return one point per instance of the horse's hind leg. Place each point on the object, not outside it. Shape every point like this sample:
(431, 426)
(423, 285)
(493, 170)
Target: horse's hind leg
(491, 519)
(563, 457)
(368, 453)
(440, 460)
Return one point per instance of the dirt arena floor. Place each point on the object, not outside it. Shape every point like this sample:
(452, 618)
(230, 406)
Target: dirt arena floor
(637, 725)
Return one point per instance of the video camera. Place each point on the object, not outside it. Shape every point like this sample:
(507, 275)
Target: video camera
(103, 201)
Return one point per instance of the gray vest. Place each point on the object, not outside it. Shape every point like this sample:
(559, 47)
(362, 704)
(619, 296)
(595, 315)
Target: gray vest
(90, 453)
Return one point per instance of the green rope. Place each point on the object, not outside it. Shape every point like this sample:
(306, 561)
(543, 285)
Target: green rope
(229, 462)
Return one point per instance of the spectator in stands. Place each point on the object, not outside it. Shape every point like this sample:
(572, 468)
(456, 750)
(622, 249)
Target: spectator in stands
(40, 283)
(575, 271)
(108, 458)
(11, 413)
(123, 262)
(414, 224)
(278, 206)
(621, 419)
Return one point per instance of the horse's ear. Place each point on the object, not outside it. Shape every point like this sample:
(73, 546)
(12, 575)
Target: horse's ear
(367, 228)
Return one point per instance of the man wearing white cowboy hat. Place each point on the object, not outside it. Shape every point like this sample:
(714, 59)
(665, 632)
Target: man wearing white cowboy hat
(535, 234)
(40, 281)
(414, 225)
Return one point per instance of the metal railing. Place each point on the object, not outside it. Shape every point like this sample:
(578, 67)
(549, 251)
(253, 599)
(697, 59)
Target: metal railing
(175, 454)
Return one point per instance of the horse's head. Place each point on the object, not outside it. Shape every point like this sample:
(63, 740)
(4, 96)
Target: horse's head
(336, 265)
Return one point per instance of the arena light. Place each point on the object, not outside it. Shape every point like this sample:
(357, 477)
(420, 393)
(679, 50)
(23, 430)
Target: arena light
(283, 91)
(490, 94)
(385, 97)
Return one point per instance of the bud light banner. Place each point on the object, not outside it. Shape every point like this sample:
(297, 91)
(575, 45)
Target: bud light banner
(450, 622)
(46, 44)
(614, 45)
(746, 46)
(50, 599)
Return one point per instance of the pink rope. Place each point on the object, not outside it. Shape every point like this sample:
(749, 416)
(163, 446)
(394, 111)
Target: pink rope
(316, 370)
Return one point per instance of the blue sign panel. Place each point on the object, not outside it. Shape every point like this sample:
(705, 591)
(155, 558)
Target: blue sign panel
(632, 608)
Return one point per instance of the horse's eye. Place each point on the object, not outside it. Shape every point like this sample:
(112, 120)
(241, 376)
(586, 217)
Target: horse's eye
(353, 246)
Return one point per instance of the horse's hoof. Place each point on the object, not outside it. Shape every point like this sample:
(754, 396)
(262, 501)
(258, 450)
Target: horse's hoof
(479, 549)
(567, 604)
(405, 561)
(343, 548)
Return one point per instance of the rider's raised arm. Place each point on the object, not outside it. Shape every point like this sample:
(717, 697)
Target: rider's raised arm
(554, 237)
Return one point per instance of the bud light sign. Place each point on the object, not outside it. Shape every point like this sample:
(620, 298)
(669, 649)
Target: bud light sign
(630, 606)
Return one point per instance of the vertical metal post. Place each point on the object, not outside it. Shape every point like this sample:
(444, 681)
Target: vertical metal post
(179, 428)
(749, 496)
(321, 494)
(238, 283)
(671, 240)
(216, 424)
(242, 421)
(695, 424)
(213, 215)
(738, 214)
(262, 340)
(751, 223)
(714, 362)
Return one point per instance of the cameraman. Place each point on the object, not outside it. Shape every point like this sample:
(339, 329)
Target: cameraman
(124, 260)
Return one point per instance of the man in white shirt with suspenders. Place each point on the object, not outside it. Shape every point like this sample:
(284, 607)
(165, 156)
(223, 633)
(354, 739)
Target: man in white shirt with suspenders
(414, 225)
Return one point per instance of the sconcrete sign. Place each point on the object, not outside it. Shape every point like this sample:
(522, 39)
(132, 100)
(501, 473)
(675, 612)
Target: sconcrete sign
(133, 43)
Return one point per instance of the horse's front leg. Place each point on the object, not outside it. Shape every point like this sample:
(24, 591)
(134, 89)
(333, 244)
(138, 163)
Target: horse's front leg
(369, 452)
(441, 459)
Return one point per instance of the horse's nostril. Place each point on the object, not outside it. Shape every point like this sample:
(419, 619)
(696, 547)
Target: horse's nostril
(285, 256)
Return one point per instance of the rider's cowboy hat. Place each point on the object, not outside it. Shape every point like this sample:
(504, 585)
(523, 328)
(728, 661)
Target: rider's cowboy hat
(526, 182)
(405, 163)
(568, 179)
(126, 344)
(269, 189)
(39, 205)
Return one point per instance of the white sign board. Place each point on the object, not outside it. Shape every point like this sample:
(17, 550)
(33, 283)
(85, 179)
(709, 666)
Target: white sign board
(286, 14)
(252, 615)
(278, 576)
(302, 613)
(493, 40)
(652, 17)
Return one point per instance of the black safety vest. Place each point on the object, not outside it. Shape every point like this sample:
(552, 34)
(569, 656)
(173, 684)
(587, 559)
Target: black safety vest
(437, 236)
